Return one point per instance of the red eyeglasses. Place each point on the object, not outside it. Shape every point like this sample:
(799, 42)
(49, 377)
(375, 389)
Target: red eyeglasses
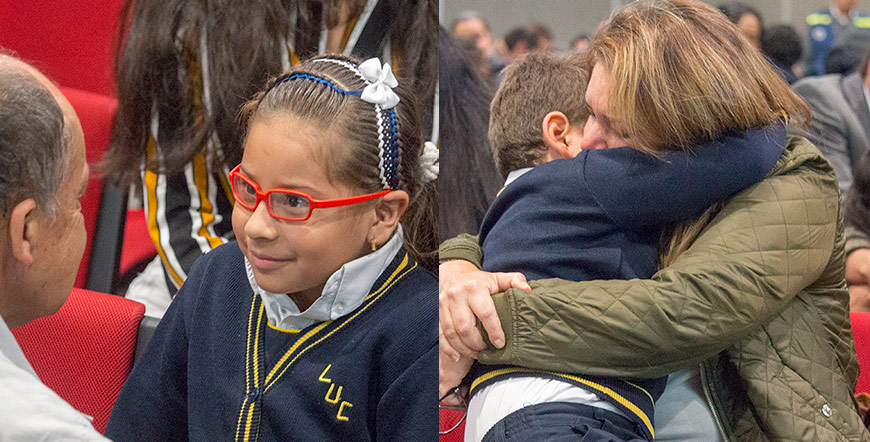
(287, 204)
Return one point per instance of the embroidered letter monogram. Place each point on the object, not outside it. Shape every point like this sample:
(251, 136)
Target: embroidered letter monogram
(334, 398)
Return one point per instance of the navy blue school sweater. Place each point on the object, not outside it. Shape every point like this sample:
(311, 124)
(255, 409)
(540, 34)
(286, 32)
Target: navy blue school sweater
(215, 370)
(600, 215)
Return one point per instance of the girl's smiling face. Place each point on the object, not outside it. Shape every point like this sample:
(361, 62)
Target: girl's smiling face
(297, 257)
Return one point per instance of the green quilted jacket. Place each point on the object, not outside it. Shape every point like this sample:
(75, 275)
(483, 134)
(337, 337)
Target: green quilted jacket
(759, 301)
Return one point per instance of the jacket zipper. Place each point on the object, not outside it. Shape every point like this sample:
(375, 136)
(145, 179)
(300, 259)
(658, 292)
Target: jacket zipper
(708, 394)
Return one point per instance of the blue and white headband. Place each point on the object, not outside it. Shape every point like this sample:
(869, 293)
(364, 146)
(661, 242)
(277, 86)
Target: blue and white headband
(380, 82)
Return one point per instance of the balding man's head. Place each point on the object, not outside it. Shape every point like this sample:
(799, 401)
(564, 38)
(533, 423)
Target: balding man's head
(34, 137)
(42, 156)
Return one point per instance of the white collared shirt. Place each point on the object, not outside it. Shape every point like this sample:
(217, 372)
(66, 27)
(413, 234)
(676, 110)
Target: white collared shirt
(30, 411)
(345, 290)
(514, 174)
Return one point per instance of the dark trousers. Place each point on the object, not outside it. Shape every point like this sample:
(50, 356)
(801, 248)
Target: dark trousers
(564, 421)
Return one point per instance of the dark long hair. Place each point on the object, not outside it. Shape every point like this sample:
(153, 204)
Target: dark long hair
(158, 62)
(469, 180)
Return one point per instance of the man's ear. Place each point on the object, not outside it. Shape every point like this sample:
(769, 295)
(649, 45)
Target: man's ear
(556, 129)
(23, 229)
(388, 211)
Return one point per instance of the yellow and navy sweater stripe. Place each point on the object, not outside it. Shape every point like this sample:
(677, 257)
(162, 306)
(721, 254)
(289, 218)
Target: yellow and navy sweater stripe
(258, 383)
(634, 398)
(216, 370)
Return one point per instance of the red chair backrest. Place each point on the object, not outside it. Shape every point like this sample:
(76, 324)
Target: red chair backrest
(95, 112)
(84, 352)
(70, 41)
(447, 419)
(861, 331)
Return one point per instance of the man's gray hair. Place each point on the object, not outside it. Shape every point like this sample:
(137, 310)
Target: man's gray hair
(33, 141)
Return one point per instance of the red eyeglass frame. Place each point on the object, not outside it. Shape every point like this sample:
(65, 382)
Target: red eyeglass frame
(313, 203)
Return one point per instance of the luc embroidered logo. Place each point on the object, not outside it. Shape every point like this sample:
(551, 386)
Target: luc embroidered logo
(333, 395)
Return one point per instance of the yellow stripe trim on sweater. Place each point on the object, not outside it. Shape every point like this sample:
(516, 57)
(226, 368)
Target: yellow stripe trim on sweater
(392, 280)
(153, 228)
(200, 180)
(247, 366)
(401, 266)
(598, 387)
(293, 348)
(239, 424)
(248, 422)
(256, 367)
(285, 330)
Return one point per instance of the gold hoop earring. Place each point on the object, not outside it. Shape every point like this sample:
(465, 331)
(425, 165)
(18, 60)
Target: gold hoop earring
(374, 245)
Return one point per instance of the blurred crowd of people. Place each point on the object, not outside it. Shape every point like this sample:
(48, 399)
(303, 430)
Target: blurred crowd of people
(830, 44)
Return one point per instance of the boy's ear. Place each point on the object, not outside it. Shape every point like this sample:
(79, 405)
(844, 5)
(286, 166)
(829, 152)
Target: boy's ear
(23, 229)
(556, 129)
(388, 211)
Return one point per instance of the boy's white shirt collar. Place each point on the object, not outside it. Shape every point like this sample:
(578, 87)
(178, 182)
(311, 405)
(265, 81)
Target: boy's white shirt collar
(345, 290)
(10, 350)
(514, 174)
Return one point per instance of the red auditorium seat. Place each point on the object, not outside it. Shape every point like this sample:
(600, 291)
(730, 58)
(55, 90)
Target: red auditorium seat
(85, 351)
(447, 419)
(137, 246)
(95, 112)
(861, 331)
(70, 41)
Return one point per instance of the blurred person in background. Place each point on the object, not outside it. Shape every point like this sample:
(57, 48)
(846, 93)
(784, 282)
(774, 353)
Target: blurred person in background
(840, 122)
(520, 41)
(580, 42)
(747, 19)
(544, 36)
(827, 26)
(782, 46)
(469, 25)
(847, 53)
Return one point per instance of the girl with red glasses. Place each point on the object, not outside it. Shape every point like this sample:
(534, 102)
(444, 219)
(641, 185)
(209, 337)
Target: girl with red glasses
(320, 321)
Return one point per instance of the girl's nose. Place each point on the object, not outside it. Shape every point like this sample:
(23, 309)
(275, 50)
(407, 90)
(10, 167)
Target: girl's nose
(261, 224)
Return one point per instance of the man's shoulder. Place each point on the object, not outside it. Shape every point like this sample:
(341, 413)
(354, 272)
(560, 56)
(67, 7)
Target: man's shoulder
(28, 405)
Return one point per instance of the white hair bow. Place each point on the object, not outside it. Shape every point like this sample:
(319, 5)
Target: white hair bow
(429, 162)
(382, 80)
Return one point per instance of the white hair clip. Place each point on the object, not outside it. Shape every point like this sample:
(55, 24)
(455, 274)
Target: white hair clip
(382, 80)
(429, 162)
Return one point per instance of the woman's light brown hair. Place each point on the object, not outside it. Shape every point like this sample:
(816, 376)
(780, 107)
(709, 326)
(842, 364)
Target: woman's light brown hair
(682, 74)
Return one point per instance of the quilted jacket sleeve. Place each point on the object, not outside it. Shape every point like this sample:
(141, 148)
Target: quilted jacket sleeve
(768, 243)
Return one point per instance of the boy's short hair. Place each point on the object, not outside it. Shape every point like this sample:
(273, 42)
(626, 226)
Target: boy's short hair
(536, 85)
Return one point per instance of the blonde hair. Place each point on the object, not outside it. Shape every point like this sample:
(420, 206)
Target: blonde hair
(682, 74)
